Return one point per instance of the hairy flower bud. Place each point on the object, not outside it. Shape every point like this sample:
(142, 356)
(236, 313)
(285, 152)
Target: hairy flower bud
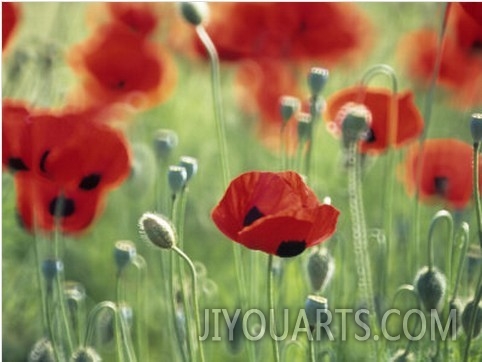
(430, 285)
(157, 230)
(320, 268)
(469, 309)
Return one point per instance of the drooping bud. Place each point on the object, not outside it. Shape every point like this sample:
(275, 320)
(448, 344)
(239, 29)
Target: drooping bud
(177, 177)
(190, 164)
(430, 285)
(165, 140)
(320, 268)
(194, 13)
(124, 251)
(469, 309)
(85, 354)
(317, 78)
(157, 230)
(476, 127)
(289, 106)
(42, 351)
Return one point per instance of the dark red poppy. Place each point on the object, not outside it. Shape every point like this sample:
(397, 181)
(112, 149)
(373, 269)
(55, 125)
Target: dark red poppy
(10, 19)
(259, 87)
(295, 31)
(118, 65)
(446, 171)
(409, 121)
(460, 61)
(63, 154)
(274, 212)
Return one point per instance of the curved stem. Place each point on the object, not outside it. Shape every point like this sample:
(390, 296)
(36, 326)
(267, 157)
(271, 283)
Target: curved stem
(478, 211)
(142, 336)
(195, 297)
(442, 214)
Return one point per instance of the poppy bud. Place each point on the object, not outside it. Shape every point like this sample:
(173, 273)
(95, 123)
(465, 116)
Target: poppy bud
(289, 106)
(124, 251)
(317, 78)
(85, 354)
(304, 127)
(42, 351)
(190, 164)
(177, 177)
(316, 309)
(194, 13)
(430, 285)
(165, 140)
(158, 230)
(476, 127)
(355, 119)
(320, 268)
(466, 319)
(455, 318)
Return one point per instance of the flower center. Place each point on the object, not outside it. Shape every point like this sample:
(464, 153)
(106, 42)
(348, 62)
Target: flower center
(252, 215)
(290, 248)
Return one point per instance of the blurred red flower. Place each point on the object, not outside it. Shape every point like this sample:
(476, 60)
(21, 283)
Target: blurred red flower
(259, 87)
(409, 121)
(119, 65)
(274, 212)
(10, 19)
(293, 31)
(446, 171)
(62, 154)
(140, 17)
(461, 63)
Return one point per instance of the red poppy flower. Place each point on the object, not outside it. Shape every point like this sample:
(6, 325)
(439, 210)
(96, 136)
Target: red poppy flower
(39, 200)
(10, 19)
(63, 154)
(460, 61)
(16, 136)
(259, 87)
(409, 122)
(295, 31)
(118, 65)
(274, 212)
(446, 171)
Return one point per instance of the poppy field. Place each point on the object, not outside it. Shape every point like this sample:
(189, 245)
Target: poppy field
(241, 181)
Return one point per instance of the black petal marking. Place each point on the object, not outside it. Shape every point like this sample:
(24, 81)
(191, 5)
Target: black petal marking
(370, 136)
(90, 182)
(441, 185)
(60, 206)
(16, 164)
(252, 215)
(43, 159)
(290, 248)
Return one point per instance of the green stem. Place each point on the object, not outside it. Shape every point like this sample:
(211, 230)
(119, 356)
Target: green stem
(124, 328)
(427, 113)
(271, 308)
(478, 211)
(360, 241)
(142, 336)
(465, 230)
(221, 137)
(195, 297)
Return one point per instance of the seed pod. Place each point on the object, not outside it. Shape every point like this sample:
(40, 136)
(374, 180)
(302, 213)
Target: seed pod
(320, 268)
(316, 309)
(430, 285)
(42, 351)
(466, 319)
